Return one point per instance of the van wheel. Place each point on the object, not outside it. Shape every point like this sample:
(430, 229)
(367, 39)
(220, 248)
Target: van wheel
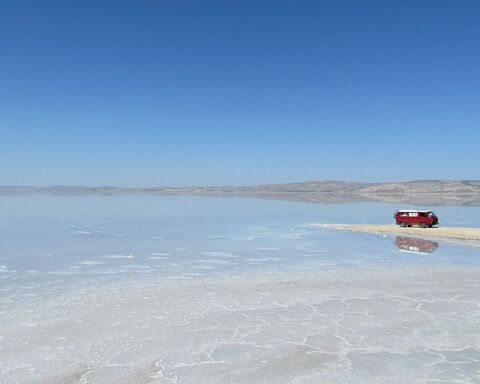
(402, 224)
(422, 225)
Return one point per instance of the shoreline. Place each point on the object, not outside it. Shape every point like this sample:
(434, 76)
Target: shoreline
(417, 192)
(458, 235)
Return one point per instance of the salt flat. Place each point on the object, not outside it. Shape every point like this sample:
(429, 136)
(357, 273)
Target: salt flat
(342, 325)
(100, 290)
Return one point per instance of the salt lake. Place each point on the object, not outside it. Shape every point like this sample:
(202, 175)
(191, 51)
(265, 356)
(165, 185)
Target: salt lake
(137, 289)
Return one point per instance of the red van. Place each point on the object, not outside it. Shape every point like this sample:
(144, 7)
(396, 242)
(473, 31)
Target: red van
(409, 217)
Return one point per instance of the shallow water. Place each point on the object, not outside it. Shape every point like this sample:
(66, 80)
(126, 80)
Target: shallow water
(110, 289)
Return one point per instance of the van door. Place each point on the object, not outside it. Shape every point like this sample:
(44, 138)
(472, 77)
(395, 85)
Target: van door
(412, 218)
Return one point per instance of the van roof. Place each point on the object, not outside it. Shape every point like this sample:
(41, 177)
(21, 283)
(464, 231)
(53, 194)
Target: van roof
(415, 210)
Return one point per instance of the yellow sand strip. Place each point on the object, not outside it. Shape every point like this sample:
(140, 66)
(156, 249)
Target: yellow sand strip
(459, 233)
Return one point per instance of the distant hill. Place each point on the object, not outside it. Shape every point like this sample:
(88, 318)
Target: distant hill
(419, 192)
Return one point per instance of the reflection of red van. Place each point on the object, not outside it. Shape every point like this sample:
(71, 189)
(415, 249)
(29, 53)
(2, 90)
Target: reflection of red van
(412, 244)
(409, 217)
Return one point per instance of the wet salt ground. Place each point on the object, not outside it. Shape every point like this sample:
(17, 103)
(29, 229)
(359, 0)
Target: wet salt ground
(341, 325)
(236, 293)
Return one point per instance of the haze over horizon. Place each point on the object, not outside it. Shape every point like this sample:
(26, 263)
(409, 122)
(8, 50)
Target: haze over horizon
(238, 93)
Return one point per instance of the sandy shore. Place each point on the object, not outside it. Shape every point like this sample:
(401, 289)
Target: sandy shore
(468, 235)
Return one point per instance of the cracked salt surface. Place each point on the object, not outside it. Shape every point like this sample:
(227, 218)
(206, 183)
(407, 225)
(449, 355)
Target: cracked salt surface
(341, 325)
(239, 298)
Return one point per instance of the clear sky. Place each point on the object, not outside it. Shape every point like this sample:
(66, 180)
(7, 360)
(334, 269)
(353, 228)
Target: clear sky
(238, 92)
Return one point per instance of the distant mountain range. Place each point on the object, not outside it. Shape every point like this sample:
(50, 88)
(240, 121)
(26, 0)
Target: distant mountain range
(419, 192)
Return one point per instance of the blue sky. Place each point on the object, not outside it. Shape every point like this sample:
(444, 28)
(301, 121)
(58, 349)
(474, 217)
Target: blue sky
(238, 92)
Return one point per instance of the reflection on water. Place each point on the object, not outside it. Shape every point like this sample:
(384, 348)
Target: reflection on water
(415, 245)
(56, 240)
